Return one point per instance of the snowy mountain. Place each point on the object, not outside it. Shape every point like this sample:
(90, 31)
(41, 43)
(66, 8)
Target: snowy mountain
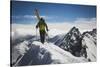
(72, 47)
(89, 39)
(72, 42)
(47, 53)
(79, 44)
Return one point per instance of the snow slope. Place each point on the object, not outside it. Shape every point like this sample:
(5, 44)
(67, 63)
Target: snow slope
(71, 42)
(89, 41)
(48, 53)
(79, 44)
(59, 54)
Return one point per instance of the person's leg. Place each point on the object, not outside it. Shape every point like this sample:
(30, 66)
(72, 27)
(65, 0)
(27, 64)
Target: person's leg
(42, 37)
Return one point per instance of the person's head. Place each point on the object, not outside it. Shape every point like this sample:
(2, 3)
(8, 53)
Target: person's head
(41, 19)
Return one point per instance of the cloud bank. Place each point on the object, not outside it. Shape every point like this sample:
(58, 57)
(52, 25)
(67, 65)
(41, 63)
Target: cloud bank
(84, 24)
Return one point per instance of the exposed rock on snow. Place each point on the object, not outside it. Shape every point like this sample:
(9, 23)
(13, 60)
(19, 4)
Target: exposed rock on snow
(79, 44)
(72, 42)
(89, 39)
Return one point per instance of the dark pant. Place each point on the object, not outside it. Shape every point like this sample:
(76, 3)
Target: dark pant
(42, 37)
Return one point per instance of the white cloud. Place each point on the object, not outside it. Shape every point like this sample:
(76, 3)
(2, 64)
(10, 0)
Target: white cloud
(85, 20)
(62, 27)
(85, 24)
(30, 17)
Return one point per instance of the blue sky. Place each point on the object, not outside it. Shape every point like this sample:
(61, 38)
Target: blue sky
(23, 12)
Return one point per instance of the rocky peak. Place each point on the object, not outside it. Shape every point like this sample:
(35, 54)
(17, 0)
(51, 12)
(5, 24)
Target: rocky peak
(72, 41)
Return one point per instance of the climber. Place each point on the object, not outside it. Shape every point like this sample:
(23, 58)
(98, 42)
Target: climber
(42, 29)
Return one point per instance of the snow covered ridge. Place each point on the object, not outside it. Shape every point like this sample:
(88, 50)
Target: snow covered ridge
(72, 47)
(79, 44)
(90, 40)
(72, 41)
(47, 53)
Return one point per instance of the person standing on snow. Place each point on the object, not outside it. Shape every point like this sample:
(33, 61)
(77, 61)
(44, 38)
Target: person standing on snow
(42, 29)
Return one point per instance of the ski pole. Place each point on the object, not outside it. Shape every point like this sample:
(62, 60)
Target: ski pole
(36, 34)
(47, 37)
